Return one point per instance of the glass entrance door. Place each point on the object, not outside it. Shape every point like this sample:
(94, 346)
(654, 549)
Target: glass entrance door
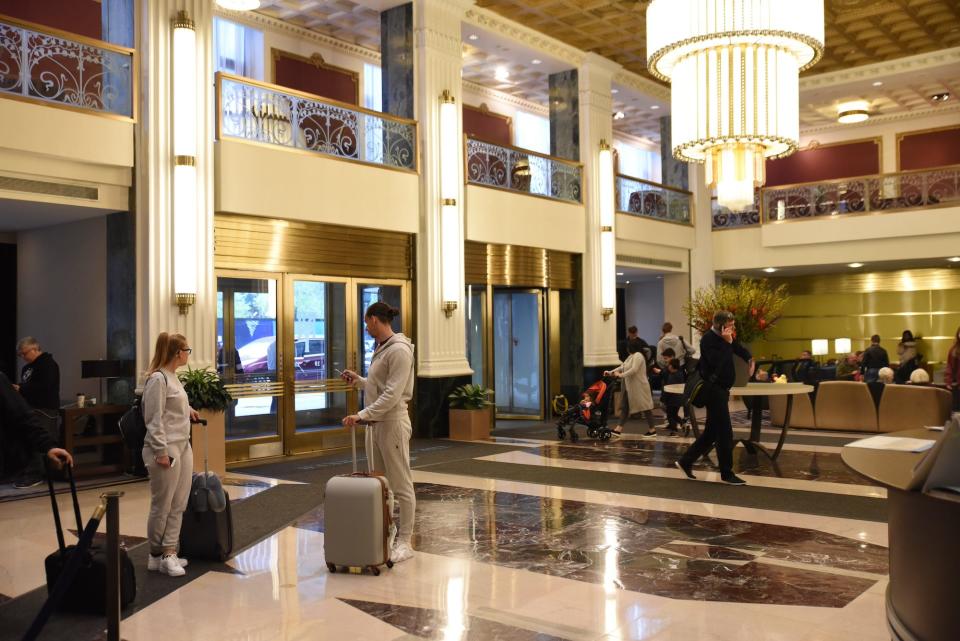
(518, 353)
(248, 360)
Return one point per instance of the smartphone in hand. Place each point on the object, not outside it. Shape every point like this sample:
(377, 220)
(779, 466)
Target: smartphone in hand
(173, 462)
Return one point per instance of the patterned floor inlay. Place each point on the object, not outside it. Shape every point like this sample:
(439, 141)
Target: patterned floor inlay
(427, 623)
(643, 550)
(806, 466)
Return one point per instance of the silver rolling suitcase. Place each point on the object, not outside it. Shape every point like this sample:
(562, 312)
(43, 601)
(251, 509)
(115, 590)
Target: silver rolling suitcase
(358, 520)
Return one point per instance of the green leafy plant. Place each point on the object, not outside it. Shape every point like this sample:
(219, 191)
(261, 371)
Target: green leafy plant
(756, 305)
(205, 390)
(471, 397)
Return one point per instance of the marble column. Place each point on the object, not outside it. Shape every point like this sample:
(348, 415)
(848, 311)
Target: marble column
(564, 114)
(155, 236)
(701, 256)
(674, 173)
(596, 125)
(441, 339)
(396, 60)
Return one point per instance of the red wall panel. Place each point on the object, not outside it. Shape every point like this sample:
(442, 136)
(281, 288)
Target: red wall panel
(486, 125)
(922, 150)
(845, 160)
(302, 74)
(76, 16)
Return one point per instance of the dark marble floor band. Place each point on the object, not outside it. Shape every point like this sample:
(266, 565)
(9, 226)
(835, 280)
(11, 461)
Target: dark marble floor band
(604, 544)
(428, 623)
(806, 466)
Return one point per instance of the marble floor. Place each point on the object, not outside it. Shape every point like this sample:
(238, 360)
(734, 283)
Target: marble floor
(516, 560)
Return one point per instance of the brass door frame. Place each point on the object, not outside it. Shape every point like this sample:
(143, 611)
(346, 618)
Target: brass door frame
(239, 449)
(541, 293)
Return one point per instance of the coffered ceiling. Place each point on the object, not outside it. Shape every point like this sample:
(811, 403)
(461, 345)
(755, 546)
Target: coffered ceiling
(353, 21)
(857, 31)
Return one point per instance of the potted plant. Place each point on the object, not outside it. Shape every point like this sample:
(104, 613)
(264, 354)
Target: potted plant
(470, 413)
(208, 396)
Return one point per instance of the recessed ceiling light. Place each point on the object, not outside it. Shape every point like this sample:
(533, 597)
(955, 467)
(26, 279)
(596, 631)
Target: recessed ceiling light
(621, 273)
(473, 36)
(954, 259)
(854, 265)
(501, 74)
(536, 61)
(614, 91)
(654, 106)
(853, 111)
(878, 83)
(619, 115)
(769, 270)
(940, 97)
(628, 282)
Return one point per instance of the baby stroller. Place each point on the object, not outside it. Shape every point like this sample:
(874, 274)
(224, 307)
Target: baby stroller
(592, 415)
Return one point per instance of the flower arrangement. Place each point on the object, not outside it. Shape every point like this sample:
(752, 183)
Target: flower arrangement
(756, 305)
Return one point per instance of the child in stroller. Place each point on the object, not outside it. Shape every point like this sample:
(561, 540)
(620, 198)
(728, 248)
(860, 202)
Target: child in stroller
(591, 412)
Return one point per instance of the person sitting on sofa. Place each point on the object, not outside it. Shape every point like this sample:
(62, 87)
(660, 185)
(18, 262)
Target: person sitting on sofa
(848, 368)
(804, 369)
(919, 376)
(885, 376)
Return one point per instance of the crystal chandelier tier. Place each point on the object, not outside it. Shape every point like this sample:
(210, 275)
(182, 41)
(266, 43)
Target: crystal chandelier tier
(734, 70)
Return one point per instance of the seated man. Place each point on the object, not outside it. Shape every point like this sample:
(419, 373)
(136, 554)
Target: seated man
(22, 437)
(804, 368)
(848, 367)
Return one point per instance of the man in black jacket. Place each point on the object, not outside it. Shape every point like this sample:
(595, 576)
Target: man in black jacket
(40, 388)
(874, 358)
(22, 437)
(717, 349)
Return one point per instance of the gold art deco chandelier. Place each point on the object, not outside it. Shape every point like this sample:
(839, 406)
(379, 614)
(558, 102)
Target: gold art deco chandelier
(734, 69)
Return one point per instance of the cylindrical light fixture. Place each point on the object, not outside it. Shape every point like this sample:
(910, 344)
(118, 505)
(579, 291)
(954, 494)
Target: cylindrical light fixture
(450, 245)
(608, 250)
(853, 111)
(842, 345)
(184, 161)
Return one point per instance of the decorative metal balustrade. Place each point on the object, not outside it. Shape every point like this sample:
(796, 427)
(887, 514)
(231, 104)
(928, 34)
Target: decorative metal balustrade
(922, 189)
(724, 218)
(653, 200)
(65, 69)
(523, 171)
(263, 113)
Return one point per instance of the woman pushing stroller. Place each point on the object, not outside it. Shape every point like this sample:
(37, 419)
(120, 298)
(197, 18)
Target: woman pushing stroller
(636, 397)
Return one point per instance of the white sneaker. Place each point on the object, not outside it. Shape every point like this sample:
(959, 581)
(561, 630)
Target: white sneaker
(170, 565)
(401, 553)
(153, 563)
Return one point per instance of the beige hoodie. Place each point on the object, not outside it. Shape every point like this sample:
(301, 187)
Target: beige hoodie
(388, 386)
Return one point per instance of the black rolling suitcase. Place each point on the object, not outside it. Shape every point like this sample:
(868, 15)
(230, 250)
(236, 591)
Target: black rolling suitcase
(207, 528)
(87, 591)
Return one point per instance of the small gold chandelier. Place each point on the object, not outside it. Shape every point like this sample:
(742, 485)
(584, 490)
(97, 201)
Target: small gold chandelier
(734, 69)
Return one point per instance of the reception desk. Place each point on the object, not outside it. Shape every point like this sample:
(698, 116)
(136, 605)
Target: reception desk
(923, 544)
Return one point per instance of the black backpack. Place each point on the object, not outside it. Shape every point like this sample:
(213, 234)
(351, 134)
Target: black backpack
(132, 426)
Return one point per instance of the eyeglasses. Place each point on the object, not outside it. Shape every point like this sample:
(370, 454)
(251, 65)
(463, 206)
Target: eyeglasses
(188, 350)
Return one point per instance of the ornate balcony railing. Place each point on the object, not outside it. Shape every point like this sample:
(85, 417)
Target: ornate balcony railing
(65, 69)
(724, 218)
(523, 171)
(922, 189)
(264, 113)
(653, 200)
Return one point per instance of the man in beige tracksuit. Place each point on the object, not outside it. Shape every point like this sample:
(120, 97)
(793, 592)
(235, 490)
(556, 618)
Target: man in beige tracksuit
(387, 389)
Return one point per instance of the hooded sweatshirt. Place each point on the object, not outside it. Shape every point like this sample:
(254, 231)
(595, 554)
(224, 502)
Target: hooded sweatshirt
(388, 386)
(40, 383)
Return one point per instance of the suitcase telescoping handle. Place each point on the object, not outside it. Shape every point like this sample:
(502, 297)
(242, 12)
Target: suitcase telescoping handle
(56, 508)
(206, 448)
(353, 442)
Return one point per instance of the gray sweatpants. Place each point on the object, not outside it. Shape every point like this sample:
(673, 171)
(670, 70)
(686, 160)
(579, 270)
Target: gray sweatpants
(388, 451)
(169, 493)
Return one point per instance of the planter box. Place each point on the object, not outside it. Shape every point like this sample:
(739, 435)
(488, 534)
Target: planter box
(216, 436)
(470, 425)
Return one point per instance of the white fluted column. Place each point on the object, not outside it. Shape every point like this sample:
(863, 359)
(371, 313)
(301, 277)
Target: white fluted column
(596, 125)
(441, 339)
(156, 235)
(701, 256)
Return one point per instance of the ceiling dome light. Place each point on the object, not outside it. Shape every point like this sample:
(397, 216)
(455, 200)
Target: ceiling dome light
(854, 265)
(735, 91)
(502, 74)
(239, 5)
(536, 61)
(770, 270)
(619, 115)
(940, 97)
(853, 111)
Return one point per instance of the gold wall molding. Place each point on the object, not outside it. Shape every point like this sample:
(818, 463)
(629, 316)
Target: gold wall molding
(519, 266)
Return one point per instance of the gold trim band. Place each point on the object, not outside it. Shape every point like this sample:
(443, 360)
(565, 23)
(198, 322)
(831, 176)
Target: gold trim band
(184, 161)
(183, 21)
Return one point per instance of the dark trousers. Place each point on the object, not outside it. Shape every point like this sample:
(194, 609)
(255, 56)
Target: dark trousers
(718, 431)
(673, 417)
(956, 399)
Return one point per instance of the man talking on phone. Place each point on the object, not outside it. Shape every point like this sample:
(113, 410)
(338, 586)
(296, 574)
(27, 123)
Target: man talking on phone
(717, 349)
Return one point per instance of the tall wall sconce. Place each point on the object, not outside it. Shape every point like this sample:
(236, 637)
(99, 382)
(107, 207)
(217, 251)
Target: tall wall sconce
(608, 258)
(450, 246)
(184, 161)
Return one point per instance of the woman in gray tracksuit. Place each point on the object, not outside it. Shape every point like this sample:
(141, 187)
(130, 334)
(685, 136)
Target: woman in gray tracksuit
(167, 452)
(387, 389)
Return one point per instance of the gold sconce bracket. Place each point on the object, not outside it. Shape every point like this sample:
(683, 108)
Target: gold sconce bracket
(449, 307)
(184, 301)
(606, 312)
